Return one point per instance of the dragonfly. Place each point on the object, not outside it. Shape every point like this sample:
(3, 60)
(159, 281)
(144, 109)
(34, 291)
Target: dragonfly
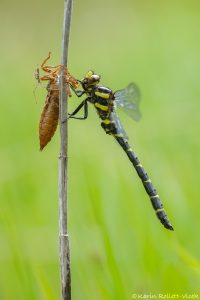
(106, 103)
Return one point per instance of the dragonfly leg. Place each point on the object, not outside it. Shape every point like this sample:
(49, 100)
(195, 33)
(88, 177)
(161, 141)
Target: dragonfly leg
(83, 104)
(78, 93)
(72, 115)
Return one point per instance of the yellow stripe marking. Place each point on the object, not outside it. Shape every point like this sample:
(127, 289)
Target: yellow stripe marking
(102, 107)
(156, 196)
(159, 209)
(106, 121)
(102, 95)
(130, 149)
(89, 74)
(139, 165)
(149, 180)
(118, 134)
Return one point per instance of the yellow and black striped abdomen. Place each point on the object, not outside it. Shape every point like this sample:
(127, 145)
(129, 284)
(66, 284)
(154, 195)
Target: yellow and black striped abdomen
(103, 102)
(151, 191)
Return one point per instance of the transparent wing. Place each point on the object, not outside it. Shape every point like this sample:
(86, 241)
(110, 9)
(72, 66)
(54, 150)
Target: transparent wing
(128, 99)
(118, 125)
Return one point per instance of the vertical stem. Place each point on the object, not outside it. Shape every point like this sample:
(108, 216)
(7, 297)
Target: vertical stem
(63, 163)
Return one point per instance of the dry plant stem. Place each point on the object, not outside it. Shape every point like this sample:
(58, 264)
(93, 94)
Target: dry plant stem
(63, 163)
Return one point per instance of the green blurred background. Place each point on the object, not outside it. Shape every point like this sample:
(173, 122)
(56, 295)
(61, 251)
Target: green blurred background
(118, 247)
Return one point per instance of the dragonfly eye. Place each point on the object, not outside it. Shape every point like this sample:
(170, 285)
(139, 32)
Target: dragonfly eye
(94, 79)
(91, 78)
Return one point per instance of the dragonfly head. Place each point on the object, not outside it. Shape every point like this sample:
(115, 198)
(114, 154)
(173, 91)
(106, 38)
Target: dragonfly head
(90, 79)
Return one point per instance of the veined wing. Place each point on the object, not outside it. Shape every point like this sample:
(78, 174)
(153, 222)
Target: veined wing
(128, 99)
(118, 125)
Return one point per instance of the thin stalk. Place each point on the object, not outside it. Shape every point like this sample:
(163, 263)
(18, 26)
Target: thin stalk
(63, 163)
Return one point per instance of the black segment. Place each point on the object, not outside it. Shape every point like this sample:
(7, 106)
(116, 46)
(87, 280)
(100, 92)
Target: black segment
(104, 89)
(151, 191)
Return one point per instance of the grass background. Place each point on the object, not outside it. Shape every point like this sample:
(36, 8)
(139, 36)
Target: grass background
(118, 247)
